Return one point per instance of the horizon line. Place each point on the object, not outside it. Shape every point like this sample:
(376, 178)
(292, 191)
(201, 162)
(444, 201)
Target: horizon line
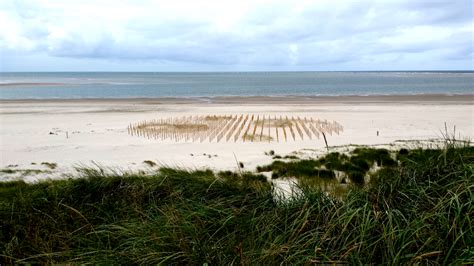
(244, 71)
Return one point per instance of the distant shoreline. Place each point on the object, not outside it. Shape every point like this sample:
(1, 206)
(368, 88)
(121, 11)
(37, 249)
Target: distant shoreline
(343, 99)
(259, 71)
(33, 84)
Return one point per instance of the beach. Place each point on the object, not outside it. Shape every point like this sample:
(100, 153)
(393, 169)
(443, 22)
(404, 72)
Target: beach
(236, 133)
(88, 132)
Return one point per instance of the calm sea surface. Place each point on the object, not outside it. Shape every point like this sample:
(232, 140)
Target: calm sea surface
(151, 85)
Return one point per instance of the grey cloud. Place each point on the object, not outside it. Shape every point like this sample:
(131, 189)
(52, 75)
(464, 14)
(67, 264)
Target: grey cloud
(334, 35)
(444, 11)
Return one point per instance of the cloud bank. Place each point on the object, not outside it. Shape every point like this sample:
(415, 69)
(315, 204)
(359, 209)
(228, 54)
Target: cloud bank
(235, 35)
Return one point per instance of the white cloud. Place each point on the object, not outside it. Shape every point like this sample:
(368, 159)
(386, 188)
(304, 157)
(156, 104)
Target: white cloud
(261, 34)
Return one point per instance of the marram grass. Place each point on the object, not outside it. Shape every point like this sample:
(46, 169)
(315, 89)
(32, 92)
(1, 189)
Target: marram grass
(419, 211)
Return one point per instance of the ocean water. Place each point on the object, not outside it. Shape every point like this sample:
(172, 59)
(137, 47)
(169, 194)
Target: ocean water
(69, 85)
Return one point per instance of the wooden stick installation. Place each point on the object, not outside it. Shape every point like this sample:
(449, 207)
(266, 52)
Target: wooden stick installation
(237, 127)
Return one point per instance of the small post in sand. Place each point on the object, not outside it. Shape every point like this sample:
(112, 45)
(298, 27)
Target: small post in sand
(324, 136)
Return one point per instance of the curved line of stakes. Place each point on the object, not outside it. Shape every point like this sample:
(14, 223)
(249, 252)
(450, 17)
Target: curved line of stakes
(233, 128)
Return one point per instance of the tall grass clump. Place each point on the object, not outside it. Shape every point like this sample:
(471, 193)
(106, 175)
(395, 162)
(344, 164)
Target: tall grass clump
(419, 211)
(355, 166)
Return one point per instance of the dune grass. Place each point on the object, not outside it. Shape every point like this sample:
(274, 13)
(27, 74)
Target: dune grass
(418, 211)
(356, 165)
(50, 165)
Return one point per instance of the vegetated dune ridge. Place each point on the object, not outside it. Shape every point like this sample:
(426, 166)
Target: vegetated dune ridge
(417, 208)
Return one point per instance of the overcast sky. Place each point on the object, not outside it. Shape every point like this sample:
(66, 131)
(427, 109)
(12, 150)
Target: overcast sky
(174, 35)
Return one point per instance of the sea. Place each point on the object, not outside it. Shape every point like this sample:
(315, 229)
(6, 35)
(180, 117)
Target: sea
(78, 85)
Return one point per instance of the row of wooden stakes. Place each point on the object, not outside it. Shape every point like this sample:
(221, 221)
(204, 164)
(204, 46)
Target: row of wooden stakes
(245, 128)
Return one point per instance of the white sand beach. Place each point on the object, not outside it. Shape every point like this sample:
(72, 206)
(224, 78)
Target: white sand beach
(34, 131)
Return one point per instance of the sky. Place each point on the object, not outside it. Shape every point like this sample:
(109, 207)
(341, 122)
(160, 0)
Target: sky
(255, 35)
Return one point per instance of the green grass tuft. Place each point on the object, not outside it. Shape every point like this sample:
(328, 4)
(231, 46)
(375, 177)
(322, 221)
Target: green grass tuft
(149, 163)
(50, 165)
(355, 166)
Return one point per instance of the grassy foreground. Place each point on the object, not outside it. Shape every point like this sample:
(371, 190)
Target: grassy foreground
(416, 211)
